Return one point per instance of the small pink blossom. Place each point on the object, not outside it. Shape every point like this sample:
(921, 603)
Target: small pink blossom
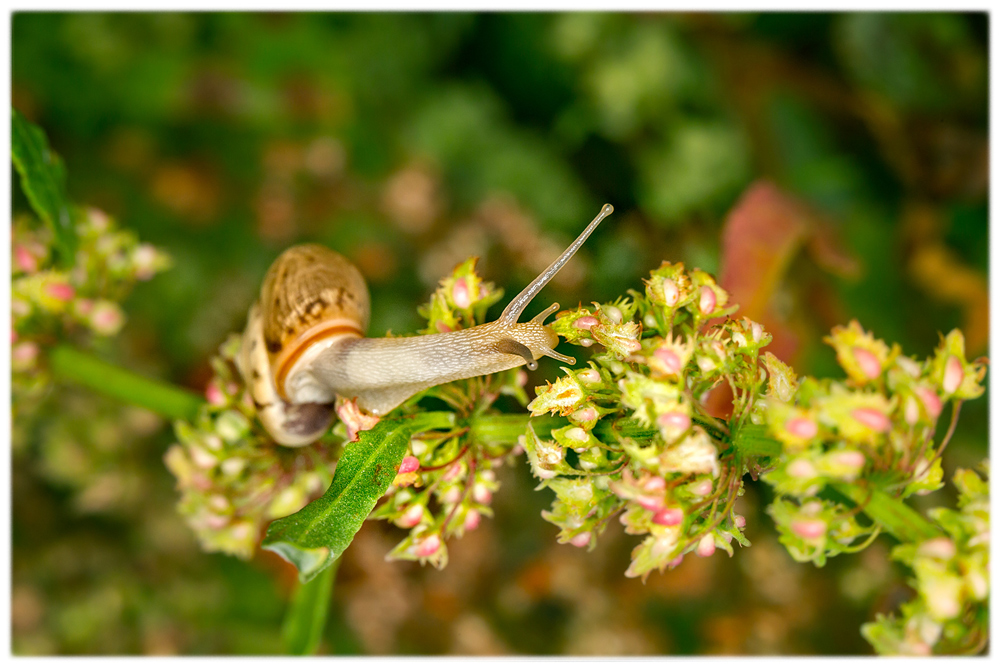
(678, 421)
(671, 362)
(584, 415)
(654, 484)
(702, 488)
(651, 503)
(412, 516)
(706, 303)
(589, 375)
(106, 318)
(931, 401)
(740, 521)
(354, 419)
(757, 331)
(938, 547)
(669, 516)
(452, 495)
(868, 362)
(801, 469)
(586, 322)
(671, 293)
(428, 546)
(471, 520)
(61, 291)
(144, 258)
(675, 562)
(23, 355)
(911, 412)
(706, 546)
(809, 529)
(872, 418)
(953, 375)
(481, 494)
(214, 394)
(460, 294)
(851, 459)
(409, 464)
(26, 261)
(802, 427)
(581, 540)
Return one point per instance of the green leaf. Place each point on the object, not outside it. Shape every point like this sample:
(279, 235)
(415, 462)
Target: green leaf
(896, 517)
(306, 616)
(752, 440)
(315, 536)
(43, 179)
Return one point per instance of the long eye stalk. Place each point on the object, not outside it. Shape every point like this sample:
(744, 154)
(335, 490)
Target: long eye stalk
(517, 305)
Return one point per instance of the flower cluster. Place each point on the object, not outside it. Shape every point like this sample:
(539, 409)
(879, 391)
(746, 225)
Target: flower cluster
(232, 478)
(446, 483)
(640, 443)
(951, 575)
(49, 304)
(881, 421)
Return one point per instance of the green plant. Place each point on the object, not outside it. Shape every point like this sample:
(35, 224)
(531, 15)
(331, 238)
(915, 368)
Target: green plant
(628, 435)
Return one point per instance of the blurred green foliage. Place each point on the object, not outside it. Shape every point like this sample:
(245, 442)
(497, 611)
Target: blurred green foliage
(410, 141)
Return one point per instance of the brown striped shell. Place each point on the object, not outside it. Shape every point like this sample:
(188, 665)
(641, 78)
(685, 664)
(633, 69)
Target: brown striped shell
(309, 293)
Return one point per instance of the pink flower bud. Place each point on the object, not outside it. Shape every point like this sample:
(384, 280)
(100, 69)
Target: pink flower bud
(953, 375)
(214, 394)
(809, 529)
(589, 376)
(675, 562)
(651, 503)
(587, 342)
(671, 362)
(706, 546)
(868, 362)
(471, 520)
(409, 464)
(931, 401)
(671, 293)
(674, 420)
(938, 547)
(801, 469)
(428, 546)
(581, 540)
(706, 303)
(872, 418)
(412, 516)
(801, 427)
(481, 494)
(757, 331)
(454, 470)
(632, 345)
(61, 291)
(850, 459)
(911, 412)
(144, 259)
(452, 495)
(26, 261)
(23, 355)
(740, 521)
(577, 434)
(106, 318)
(613, 313)
(702, 488)
(584, 415)
(669, 516)
(585, 322)
(654, 484)
(460, 294)
(442, 327)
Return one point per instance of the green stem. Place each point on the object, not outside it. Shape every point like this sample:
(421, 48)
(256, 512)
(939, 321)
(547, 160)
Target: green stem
(508, 428)
(305, 619)
(896, 517)
(69, 363)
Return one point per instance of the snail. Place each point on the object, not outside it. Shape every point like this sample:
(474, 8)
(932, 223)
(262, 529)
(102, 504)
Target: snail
(304, 344)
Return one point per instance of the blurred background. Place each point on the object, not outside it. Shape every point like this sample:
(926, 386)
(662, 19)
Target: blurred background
(854, 145)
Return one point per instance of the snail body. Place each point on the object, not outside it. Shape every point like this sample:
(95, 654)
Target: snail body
(304, 344)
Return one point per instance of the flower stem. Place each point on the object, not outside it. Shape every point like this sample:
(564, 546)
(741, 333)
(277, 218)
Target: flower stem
(69, 363)
(305, 618)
